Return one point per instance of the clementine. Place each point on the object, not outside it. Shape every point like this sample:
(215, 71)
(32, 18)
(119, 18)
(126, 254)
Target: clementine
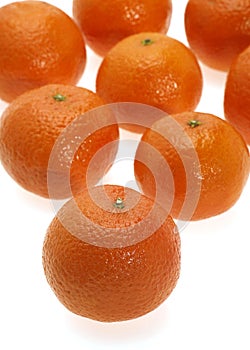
(237, 94)
(39, 44)
(218, 30)
(111, 254)
(208, 161)
(105, 23)
(31, 126)
(152, 69)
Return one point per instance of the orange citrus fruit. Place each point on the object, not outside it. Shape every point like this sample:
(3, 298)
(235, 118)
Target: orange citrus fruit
(31, 125)
(152, 69)
(111, 254)
(218, 30)
(105, 23)
(39, 45)
(200, 150)
(237, 94)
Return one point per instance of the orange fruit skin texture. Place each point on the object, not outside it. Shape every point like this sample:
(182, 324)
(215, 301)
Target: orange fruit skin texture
(218, 30)
(164, 74)
(111, 284)
(223, 161)
(105, 23)
(30, 126)
(39, 44)
(237, 94)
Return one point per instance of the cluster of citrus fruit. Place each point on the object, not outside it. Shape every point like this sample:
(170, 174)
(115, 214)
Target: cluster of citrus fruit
(112, 253)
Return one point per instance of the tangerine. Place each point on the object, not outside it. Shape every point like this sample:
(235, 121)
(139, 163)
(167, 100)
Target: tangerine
(208, 161)
(39, 45)
(237, 94)
(105, 23)
(111, 254)
(31, 127)
(218, 30)
(152, 69)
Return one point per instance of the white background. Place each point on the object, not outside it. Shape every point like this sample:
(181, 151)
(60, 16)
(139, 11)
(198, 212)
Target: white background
(210, 307)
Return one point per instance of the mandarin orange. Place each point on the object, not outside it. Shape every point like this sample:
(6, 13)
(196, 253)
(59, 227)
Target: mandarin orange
(105, 23)
(218, 30)
(208, 162)
(111, 254)
(49, 122)
(152, 69)
(237, 94)
(39, 45)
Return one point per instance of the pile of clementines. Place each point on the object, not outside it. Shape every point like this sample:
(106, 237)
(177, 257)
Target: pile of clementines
(112, 253)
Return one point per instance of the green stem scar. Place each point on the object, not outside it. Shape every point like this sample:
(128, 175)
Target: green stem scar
(147, 42)
(59, 97)
(194, 123)
(119, 204)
